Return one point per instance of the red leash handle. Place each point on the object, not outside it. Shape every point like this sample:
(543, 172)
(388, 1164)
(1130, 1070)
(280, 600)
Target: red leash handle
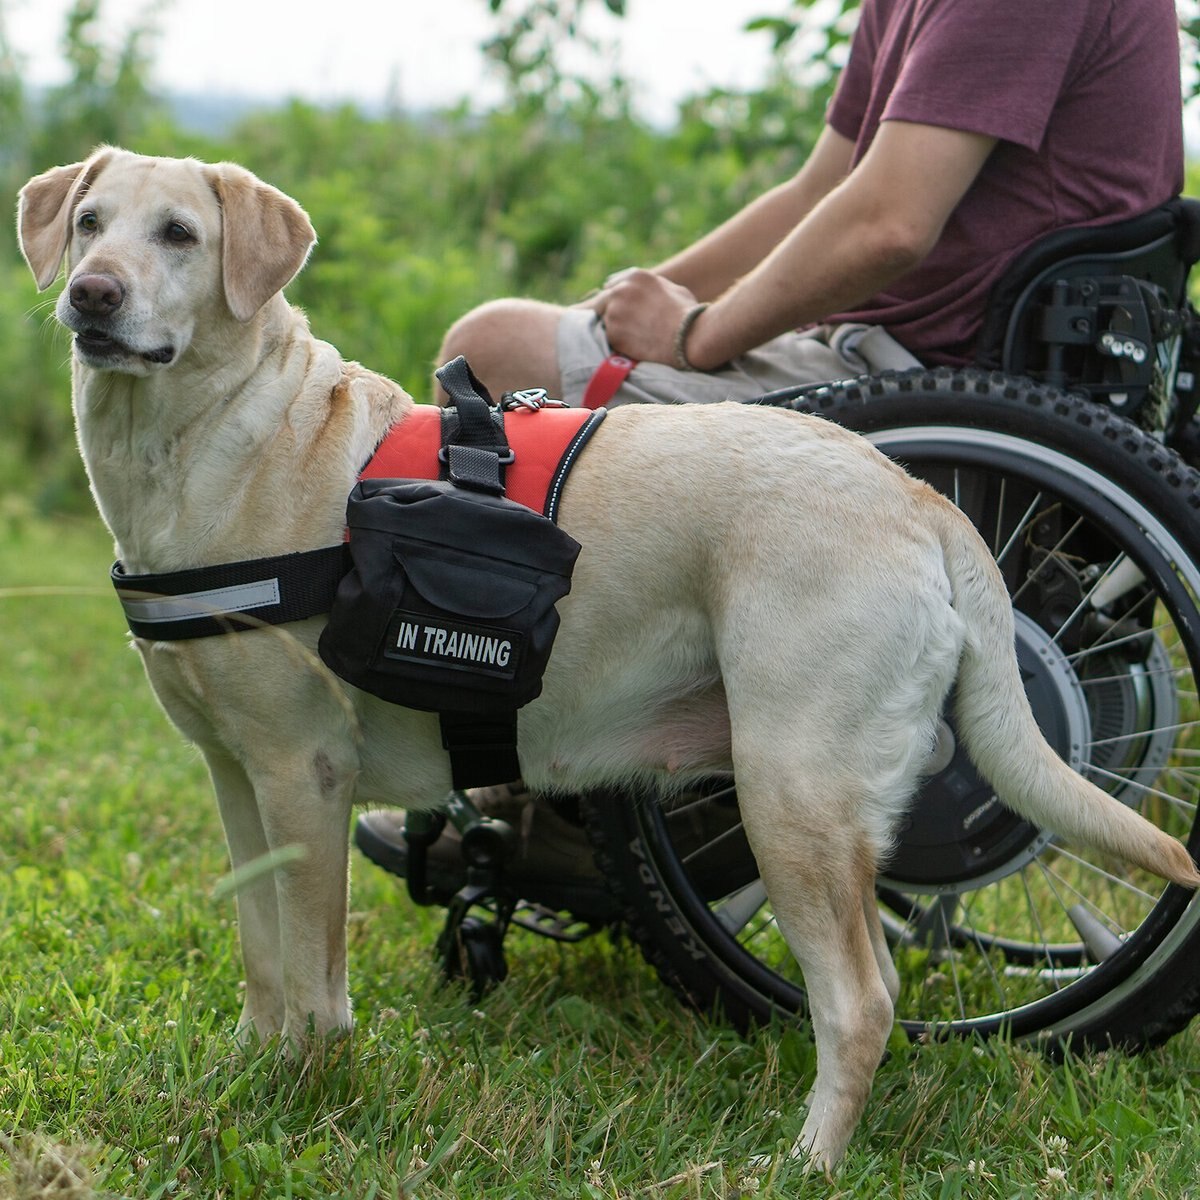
(606, 380)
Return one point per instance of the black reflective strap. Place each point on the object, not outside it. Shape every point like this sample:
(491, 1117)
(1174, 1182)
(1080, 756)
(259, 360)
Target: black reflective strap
(231, 597)
(482, 748)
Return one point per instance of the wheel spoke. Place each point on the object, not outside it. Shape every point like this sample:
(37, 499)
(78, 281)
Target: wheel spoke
(1014, 538)
(982, 950)
(1103, 646)
(1141, 734)
(1034, 572)
(1184, 806)
(1101, 873)
(933, 929)
(1110, 573)
(702, 800)
(1001, 504)
(1057, 880)
(942, 908)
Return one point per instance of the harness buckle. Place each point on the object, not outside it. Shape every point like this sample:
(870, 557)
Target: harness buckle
(531, 399)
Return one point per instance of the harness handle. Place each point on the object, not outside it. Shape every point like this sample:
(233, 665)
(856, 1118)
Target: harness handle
(474, 448)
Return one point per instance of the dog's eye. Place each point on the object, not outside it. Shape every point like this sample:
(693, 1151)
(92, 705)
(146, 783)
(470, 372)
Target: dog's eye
(179, 233)
(89, 222)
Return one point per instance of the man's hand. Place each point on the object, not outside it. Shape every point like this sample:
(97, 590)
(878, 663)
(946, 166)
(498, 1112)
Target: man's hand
(642, 313)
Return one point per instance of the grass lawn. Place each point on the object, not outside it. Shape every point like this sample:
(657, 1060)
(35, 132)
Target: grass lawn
(579, 1077)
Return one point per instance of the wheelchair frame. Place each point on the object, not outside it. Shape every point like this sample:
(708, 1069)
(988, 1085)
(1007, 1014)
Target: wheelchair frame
(1104, 312)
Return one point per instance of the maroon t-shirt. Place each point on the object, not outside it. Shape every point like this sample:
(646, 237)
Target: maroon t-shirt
(1084, 96)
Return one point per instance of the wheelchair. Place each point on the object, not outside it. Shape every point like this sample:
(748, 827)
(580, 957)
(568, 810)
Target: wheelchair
(1068, 445)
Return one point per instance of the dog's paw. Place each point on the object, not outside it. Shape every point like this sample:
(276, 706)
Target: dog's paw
(799, 1153)
(256, 1030)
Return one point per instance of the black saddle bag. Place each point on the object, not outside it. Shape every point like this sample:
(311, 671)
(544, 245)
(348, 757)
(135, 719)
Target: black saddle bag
(449, 602)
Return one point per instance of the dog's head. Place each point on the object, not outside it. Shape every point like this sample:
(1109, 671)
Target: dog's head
(154, 247)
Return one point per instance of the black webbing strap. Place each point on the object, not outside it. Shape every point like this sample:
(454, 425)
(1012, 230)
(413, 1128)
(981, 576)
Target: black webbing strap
(482, 749)
(230, 597)
(474, 447)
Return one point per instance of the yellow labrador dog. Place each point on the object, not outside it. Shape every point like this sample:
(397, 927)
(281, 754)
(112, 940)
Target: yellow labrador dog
(216, 428)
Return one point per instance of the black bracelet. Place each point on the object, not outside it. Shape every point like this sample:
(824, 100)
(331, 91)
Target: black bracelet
(681, 336)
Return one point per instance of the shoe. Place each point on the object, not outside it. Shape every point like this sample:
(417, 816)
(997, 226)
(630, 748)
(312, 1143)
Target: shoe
(552, 864)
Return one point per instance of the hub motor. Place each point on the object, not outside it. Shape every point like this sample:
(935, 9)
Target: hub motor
(957, 835)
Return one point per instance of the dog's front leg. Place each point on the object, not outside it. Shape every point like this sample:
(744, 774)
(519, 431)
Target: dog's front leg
(305, 806)
(258, 908)
(284, 771)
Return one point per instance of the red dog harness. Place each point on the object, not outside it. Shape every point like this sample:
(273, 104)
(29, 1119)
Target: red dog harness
(545, 442)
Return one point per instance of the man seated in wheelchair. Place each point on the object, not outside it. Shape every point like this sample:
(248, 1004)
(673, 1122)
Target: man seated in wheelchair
(996, 185)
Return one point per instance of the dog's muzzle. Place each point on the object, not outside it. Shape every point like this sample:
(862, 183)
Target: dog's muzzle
(97, 298)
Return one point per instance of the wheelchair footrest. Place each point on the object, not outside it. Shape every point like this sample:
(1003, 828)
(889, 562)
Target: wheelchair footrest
(548, 923)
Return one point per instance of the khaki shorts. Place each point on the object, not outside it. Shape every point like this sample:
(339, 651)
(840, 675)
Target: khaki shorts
(815, 356)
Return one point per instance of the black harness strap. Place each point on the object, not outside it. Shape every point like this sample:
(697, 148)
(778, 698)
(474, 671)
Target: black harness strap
(209, 601)
(482, 749)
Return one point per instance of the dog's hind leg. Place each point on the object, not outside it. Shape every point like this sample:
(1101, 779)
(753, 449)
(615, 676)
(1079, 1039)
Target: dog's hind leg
(883, 952)
(818, 869)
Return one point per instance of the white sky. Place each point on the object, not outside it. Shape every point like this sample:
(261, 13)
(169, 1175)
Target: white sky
(422, 52)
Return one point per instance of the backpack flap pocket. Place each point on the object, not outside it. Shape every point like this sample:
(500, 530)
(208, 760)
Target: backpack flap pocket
(450, 602)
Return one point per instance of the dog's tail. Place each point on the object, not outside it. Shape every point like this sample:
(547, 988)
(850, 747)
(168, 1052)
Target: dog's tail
(1002, 738)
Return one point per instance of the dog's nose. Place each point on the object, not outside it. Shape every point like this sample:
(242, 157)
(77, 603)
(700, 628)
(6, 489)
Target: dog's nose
(97, 295)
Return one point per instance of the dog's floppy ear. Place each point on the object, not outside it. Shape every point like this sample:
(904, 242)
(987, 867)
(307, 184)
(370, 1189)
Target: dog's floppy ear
(266, 238)
(44, 208)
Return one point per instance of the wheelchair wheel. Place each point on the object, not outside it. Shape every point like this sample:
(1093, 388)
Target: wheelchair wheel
(993, 923)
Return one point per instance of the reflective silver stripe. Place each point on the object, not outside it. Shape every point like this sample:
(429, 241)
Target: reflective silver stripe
(212, 603)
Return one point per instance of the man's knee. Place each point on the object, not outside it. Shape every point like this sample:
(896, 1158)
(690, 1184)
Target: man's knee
(474, 326)
(494, 325)
(507, 342)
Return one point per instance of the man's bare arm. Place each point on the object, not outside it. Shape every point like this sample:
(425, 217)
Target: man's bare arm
(711, 265)
(873, 227)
